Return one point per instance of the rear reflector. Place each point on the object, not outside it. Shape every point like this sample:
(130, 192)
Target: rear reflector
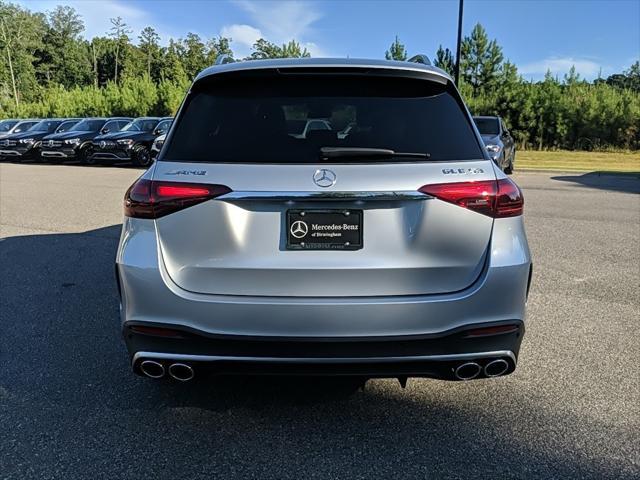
(156, 331)
(497, 199)
(155, 199)
(495, 330)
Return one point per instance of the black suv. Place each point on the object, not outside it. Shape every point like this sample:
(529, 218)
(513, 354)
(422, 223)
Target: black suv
(26, 145)
(132, 143)
(73, 144)
(8, 142)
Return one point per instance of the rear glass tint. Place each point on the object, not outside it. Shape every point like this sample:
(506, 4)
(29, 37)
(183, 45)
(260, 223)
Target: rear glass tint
(289, 118)
(487, 126)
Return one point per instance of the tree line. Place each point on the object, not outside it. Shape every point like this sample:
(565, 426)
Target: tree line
(49, 69)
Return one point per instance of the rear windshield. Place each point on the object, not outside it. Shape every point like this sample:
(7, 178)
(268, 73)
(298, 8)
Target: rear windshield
(487, 126)
(289, 118)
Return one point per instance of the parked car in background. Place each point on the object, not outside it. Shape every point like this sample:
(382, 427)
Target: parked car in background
(20, 144)
(131, 144)
(396, 251)
(156, 146)
(498, 141)
(73, 144)
(26, 145)
(21, 126)
(7, 125)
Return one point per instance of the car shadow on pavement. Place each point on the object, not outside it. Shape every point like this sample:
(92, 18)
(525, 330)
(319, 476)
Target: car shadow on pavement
(65, 379)
(619, 182)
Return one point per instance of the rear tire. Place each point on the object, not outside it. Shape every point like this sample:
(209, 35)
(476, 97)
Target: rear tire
(509, 168)
(142, 157)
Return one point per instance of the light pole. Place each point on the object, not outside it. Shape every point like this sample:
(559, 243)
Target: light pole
(457, 68)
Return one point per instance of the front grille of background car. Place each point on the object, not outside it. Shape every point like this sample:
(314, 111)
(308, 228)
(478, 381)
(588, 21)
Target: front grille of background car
(8, 143)
(52, 143)
(104, 144)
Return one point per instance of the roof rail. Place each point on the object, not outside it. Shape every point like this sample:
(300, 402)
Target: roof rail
(420, 58)
(224, 58)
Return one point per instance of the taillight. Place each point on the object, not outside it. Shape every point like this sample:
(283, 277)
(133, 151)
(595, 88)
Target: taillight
(497, 199)
(154, 199)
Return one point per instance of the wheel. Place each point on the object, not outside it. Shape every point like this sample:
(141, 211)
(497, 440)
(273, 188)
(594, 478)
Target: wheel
(509, 168)
(142, 157)
(85, 157)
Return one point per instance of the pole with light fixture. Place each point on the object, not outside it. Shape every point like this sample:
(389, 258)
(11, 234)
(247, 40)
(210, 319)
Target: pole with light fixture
(457, 67)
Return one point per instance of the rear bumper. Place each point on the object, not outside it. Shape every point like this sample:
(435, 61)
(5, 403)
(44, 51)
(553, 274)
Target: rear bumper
(150, 295)
(391, 336)
(434, 356)
(443, 367)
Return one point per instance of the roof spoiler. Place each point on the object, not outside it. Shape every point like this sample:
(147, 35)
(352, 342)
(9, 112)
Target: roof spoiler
(224, 58)
(420, 58)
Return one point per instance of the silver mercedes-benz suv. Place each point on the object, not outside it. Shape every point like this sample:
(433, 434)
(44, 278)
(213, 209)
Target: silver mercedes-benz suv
(396, 249)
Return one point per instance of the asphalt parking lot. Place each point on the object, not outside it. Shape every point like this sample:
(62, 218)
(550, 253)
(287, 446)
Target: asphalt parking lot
(71, 408)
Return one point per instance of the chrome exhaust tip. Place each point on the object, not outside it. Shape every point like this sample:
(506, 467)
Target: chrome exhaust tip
(496, 368)
(467, 371)
(152, 369)
(181, 372)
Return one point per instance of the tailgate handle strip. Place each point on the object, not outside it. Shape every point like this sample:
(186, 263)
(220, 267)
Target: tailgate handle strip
(324, 196)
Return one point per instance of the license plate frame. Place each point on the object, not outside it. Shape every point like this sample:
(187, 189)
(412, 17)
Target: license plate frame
(326, 229)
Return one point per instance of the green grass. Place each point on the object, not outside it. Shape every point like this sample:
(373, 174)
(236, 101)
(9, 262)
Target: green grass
(578, 161)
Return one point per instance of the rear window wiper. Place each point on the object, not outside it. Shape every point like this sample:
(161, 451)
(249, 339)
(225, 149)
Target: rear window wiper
(360, 152)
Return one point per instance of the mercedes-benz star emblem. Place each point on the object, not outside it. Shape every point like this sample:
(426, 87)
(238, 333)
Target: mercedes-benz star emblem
(299, 229)
(324, 178)
(103, 144)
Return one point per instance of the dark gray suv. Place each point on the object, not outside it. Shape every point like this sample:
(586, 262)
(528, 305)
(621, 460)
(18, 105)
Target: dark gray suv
(498, 141)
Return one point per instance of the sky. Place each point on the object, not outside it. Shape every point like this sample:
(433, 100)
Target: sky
(597, 36)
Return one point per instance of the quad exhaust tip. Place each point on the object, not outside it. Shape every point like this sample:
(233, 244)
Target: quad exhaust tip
(181, 372)
(152, 369)
(467, 371)
(496, 368)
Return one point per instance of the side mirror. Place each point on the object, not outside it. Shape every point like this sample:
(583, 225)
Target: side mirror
(105, 130)
(160, 131)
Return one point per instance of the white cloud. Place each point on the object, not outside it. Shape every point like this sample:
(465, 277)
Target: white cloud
(315, 50)
(283, 20)
(560, 65)
(278, 22)
(243, 37)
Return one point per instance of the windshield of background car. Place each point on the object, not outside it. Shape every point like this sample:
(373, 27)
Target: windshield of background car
(6, 126)
(48, 126)
(23, 127)
(164, 125)
(288, 118)
(140, 126)
(88, 126)
(487, 126)
(65, 126)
